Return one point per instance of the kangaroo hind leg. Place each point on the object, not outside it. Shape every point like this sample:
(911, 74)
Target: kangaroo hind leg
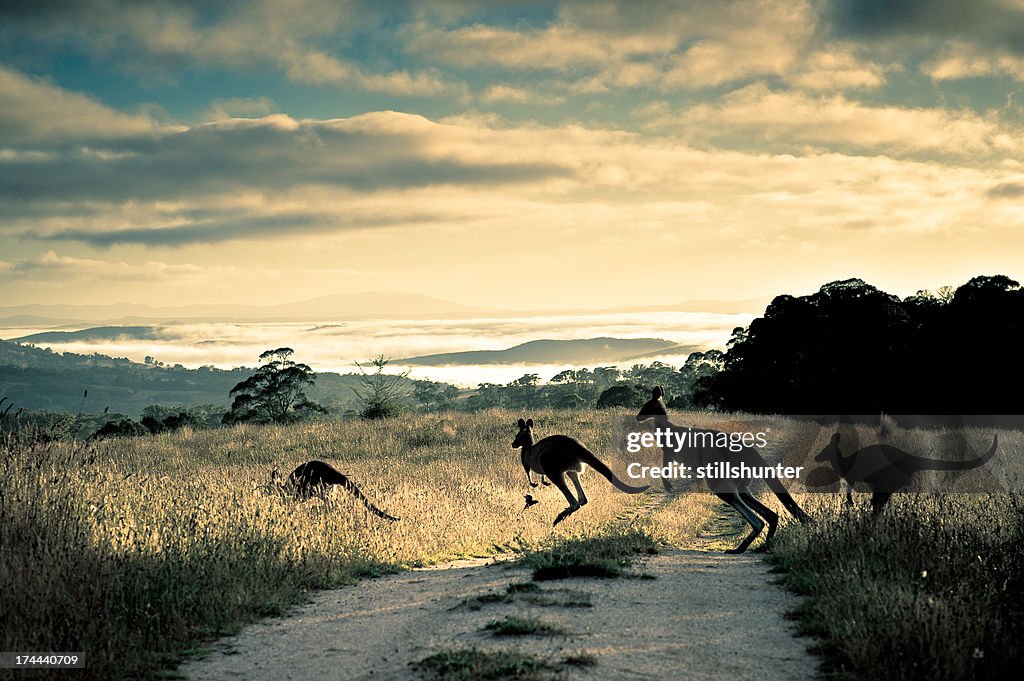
(756, 524)
(559, 480)
(580, 494)
(878, 501)
(760, 509)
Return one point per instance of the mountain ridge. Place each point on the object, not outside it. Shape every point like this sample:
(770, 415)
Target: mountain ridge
(549, 351)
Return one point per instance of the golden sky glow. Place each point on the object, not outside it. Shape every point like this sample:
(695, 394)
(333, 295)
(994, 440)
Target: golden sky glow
(569, 155)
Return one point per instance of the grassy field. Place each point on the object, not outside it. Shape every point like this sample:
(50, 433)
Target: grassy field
(134, 551)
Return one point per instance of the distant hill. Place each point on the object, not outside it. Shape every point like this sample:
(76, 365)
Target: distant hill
(35, 378)
(586, 351)
(677, 350)
(99, 333)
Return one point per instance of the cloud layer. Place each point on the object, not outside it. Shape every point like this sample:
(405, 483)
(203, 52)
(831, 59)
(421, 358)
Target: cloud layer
(727, 128)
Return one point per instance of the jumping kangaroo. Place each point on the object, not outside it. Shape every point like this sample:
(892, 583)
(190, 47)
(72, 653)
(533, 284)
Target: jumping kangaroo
(734, 492)
(313, 478)
(559, 457)
(886, 469)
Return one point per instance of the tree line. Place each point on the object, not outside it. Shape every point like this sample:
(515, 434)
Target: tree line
(849, 348)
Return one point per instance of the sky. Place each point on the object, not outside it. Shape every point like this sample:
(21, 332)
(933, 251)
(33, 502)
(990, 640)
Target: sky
(515, 155)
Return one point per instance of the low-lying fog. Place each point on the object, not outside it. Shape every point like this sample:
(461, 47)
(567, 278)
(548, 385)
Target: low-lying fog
(335, 346)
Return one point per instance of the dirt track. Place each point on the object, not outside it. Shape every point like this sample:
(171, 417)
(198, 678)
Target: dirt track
(706, 615)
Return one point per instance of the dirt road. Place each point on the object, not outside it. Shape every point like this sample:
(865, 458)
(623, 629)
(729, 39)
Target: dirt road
(703, 616)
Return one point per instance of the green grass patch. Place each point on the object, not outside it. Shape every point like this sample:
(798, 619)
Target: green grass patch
(532, 593)
(470, 664)
(522, 587)
(605, 555)
(933, 588)
(512, 625)
(582, 660)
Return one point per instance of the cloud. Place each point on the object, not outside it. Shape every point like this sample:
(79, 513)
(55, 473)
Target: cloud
(606, 182)
(166, 37)
(36, 110)
(239, 107)
(516, 95)
(996, 22)
(274, 153)
(836, 67)
(277, 176)
(238, 226)
(1007, 190)
(978, 38)
(50, 267)
(834, 121)
(625, 45)
(964, 60)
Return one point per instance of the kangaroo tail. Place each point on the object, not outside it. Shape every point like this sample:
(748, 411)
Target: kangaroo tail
(924, 464)
(587, 457)
(351, 487)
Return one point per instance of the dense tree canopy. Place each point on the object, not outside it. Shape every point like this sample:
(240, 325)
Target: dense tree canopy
(851, 348)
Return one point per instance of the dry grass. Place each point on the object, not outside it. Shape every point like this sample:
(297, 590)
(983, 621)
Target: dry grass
(931, 589)
(140, 548)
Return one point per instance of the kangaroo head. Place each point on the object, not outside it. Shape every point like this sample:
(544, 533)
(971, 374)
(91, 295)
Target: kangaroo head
(830, 452)
(524, 438)
(653, 407)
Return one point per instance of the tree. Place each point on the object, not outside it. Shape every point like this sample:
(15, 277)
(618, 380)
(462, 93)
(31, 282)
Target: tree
(275, 393)
(380, 395)
(522, 393)
(699, 366)
(623, 396)
(124, 427)
(434, 396)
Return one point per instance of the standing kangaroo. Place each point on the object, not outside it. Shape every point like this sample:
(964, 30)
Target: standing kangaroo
(735, 492)
(887, 469)
(559, 457)
(313, 478)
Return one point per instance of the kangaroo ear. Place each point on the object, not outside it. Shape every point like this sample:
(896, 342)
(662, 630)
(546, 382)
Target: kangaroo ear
(657, 392)
(835, 439)
(529, 423)
(522, 424)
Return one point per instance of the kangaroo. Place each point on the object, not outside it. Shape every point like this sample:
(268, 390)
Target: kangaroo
(886, 469)
(559, 457)
(734, 492)
(313, 478)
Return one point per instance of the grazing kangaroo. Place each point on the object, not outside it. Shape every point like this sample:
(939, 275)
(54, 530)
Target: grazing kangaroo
(735, 492)
(887, 469)
(313, 478)
(559, 457)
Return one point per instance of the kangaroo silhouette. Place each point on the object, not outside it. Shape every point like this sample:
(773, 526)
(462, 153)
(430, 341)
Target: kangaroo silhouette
(314, 477)
(735, 492)
(886, 469)
(559, 457)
